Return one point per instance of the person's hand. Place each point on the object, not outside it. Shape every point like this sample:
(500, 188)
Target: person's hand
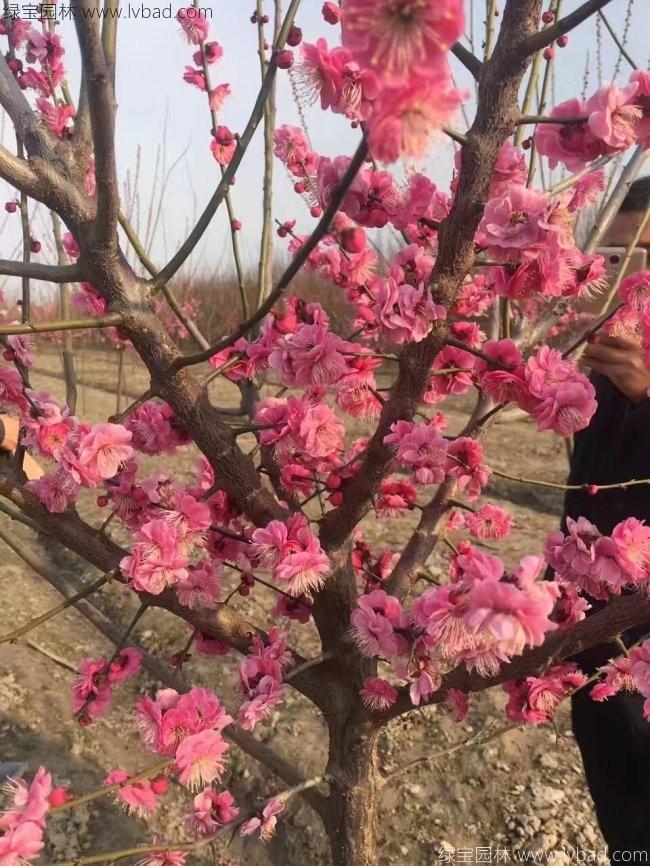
(622, 362)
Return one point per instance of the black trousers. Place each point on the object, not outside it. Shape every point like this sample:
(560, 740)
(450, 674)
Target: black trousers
(614, 741)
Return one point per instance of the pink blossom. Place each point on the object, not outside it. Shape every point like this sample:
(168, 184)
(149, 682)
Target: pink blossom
(201, 588)
(510, 168)
(515, 614)
(534, 700)
(126, 665)
(640, 668)
(304, 570)
(613, 116)
(458, 703)
(292, 148)
(320, 71)
(443, 384)
(194, 24)
(21, 844)
(29, 803)
(489, 522)
(195, 77)
(218, 96)
(293, 552)
(264, 824)
(321, 433)
(102, 451)
(515, 223)
(199, 758)
(156, 560)
(11, 390)
(565, 396)
(268, 694)
(167, 720)
(138, 797)
(210, 811)
(632, 540)
(56, 490)
(407, 313)
(426, 680)
(223, 145)
(374, 622)
(465, 463)
(91, 693)
(617, 677)
(356, 392)
(365, 201)
(397, 38)
(155, 429)
(378, 694)
(312, 355)
(57, 118)
(566, 408)
(586, 558)
(635, 292)
(572, 144)
(404, 118)
(421, 448)
(475, 297)
(209, 646)
(642, 98)
(395, 497)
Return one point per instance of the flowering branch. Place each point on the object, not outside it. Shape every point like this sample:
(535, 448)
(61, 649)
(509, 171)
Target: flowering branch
(496, 112)
(548, 35)
(296, 264)
(245, 139)
(604, 625)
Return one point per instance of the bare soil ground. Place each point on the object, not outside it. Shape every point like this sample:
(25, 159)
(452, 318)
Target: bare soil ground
(523, 791)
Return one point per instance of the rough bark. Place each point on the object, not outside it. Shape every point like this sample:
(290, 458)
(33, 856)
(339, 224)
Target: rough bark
(354, 791)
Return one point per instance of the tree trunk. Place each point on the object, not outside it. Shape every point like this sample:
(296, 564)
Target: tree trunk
(355, 791)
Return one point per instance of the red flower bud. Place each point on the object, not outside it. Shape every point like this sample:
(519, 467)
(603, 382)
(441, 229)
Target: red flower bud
(331, 12)
(59, 796)
(563, 41)
(160, 785)
(549, 53)
(284, 59)
(316, 211)
(11, 206)
(548, 17)
(295, 36)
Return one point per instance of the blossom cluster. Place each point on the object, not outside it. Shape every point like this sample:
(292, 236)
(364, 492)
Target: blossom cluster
(188, 728)
(23, 824)
(92, 691)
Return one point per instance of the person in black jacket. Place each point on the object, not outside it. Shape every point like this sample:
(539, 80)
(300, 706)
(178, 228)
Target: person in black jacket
(613, 736)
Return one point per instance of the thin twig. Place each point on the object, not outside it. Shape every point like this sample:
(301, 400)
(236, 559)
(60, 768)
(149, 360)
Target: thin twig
(39, 620)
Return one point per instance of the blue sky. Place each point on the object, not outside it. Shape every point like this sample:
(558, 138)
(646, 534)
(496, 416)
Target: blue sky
(153, 99)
